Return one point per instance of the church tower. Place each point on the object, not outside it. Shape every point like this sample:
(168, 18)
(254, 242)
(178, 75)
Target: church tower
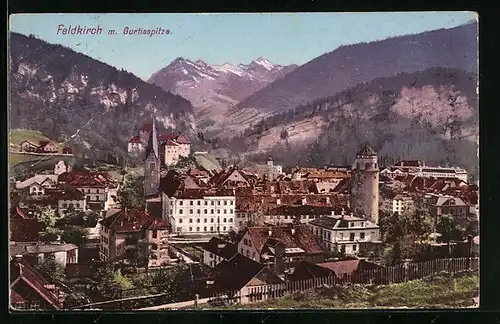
(152, 164)
(365, 184)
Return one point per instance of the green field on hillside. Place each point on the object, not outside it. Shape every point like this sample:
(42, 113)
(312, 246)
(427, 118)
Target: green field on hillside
(438, 291)
(17, 136)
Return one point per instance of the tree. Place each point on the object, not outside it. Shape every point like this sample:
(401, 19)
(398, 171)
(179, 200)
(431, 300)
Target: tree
(50, 234)
(103, 285)
(52, 270)
(75, 235)
(48, 217)
(131, 193)
(450, 230)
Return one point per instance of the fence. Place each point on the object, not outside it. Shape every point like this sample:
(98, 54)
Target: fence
(384, 276)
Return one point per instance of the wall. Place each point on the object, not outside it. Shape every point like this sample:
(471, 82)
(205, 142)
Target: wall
(248, 249)
(200, 215)
(78, 205)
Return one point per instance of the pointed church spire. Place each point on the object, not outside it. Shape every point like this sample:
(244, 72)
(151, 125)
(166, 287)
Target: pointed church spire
(152, 142)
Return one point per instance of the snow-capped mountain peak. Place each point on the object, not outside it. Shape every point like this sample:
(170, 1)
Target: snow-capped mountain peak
(229, 68)
(264, 62)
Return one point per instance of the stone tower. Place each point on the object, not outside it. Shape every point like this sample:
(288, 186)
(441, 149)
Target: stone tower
(365, 184)
(152, 164)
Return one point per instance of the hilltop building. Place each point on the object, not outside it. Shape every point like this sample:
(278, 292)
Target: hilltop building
(365, 184)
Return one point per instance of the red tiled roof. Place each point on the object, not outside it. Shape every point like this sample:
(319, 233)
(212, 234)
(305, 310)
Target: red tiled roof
(348, 266)
(182, 139)
(72, 194)
(127, 220)
(171, 143)
(135, 139)
(303, 237)
(159, 224)
(21, 270)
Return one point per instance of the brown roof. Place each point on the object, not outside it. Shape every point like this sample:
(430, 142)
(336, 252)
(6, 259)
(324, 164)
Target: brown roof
(305, 270)
(182, 139)
(221, 248)
(303, 237)
(72, 194)
(21, 270)
(159, 224)
(238, 271)
(127, 220)
(135, 139)
(348, 266)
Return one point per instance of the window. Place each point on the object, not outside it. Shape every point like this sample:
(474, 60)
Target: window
(206, 202)
(218, 202)
(211, 211)
(197, 220)
(230, 220)
(77, 205)
(179, 229)
(97, 191)
(218, 211)
(231, 202)
(253, 255)
(204, 228)
(351, 236)
(212, 203)
(180, 211)
(190, 211)
(205, 211)
(180, 203)
(362, 235)
(197, 229)
(35, 304)
(248, 253)
(190, 229)
(97, 198)
(19, 305)
(211, 220)
(211, 255)
(241, 250)
(224, 228)
(180, 220)
(249, 243)
(88, 197)
(211, 228)
(65, 205)
(198, 202)
(354, 247)
(225, 202)
(224, 220)
(198, 211)
(155, 234)
(230, 211)
(245, 241)
(204, 220)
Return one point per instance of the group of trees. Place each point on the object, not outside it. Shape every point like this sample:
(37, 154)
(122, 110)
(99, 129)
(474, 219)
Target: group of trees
(408, 235)
(131, 192)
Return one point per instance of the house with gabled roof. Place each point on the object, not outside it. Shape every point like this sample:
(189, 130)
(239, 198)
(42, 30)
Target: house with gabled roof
(129, 229)
(259, 243)
(342, 231)
(47, 147)
(23, 227)
(338, 269)
(30, 290)
(240, 273)
(217, 250)
(28, 146)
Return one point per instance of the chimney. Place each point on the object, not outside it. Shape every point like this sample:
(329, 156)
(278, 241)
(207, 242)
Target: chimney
(304, 201)
(270, 231)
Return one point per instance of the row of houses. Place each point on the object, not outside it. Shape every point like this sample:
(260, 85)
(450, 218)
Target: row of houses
(78, 191)
(47, 147)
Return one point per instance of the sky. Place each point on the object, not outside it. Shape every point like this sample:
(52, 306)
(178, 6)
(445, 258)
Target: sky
(284, 39)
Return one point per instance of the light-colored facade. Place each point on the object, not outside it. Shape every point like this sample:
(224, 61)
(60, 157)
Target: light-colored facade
(158, 247)
(398, 204)
(64, 204)
(356, 234)
(134, 147)
(210, 214)
(365, 184)
(172, 153)
(273, 171)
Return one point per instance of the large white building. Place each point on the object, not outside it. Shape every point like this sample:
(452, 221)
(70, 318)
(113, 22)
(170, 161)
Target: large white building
(419, 168)
(201, 215)
(356, 234)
